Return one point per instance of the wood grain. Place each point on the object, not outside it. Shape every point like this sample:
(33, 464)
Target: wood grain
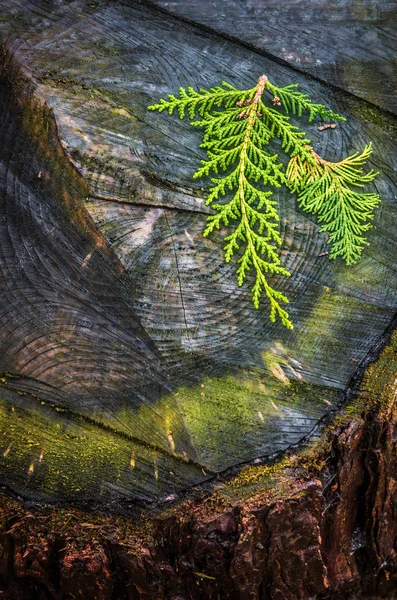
(348, 45)
(119, 317)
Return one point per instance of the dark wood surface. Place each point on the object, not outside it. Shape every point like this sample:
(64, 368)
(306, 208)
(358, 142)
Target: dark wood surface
(348, 45)
(134, 367)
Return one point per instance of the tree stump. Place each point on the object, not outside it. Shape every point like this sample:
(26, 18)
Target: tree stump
(161, 438)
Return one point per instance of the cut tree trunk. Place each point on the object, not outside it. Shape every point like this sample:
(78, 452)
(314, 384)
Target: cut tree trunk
(319, 524)
(137, 380)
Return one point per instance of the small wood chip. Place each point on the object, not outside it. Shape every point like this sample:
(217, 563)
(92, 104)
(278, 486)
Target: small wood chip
(326, 126)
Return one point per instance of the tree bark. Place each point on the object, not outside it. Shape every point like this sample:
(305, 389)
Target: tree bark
(161, 439)
(319, 525)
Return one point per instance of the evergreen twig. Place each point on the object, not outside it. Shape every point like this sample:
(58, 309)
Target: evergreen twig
(238, 125)
(332, 191)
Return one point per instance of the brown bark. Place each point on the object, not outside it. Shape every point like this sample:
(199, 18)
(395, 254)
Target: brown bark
(328, 533)
(149, 301)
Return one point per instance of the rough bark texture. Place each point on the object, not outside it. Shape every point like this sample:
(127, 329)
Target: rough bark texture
(334, 536)
(322, 526)
(134, 373)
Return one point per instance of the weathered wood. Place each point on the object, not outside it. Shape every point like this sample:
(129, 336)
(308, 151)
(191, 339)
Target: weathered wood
(320, 526)
(138, 368)
(348, 45)
(71, 342)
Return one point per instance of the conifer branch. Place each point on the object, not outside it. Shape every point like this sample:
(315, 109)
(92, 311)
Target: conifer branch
(238, 125)
(293, 141)
(296, 102)
(200, 102)
(257, 230)
(329, 190)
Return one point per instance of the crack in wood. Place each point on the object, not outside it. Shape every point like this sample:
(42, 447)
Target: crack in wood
(262, 52)
(76, 416)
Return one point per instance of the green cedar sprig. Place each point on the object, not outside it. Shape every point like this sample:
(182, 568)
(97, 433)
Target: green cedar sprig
(238, 125)
(332, 192)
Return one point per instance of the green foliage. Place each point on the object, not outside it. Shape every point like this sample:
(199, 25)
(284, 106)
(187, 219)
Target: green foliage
(238, 126)
(331, 191)
(201, 102)
(296, 102)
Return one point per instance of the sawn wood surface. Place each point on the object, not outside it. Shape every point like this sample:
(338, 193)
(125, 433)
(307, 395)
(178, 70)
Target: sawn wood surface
(133, 367)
